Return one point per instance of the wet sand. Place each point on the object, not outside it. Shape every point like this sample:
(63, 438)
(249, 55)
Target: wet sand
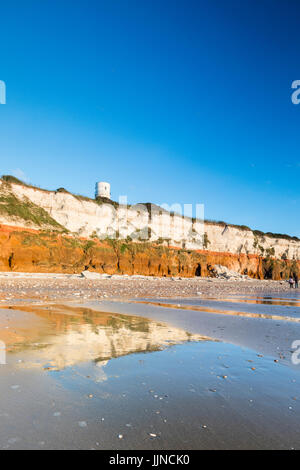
(266, 329)
(151, 373)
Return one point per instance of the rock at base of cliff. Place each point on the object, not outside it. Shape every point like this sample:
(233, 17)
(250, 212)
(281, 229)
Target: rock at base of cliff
(222, 272)
(93, 275)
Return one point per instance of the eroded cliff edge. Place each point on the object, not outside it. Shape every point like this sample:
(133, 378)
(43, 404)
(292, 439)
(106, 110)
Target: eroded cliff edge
(56, 231)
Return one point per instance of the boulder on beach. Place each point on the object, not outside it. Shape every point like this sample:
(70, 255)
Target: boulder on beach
(91, 275)
(222, 272)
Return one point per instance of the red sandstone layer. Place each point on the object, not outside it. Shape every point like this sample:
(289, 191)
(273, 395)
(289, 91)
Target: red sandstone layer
(27, 250)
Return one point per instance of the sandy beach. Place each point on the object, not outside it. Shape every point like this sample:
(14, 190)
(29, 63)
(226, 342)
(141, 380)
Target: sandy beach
(148, 364)
(57, 287)
(149, 229)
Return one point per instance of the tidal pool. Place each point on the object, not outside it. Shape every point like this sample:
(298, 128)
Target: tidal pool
(77, 378)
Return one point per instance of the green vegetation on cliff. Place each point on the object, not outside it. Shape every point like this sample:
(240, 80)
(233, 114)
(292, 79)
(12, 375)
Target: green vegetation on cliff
(23, 209)
(49, 251)
(9, 179)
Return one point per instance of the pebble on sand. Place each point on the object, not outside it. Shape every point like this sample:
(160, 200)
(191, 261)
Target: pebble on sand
(82, 424)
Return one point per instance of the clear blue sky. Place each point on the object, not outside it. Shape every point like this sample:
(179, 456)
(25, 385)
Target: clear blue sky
(170, 101)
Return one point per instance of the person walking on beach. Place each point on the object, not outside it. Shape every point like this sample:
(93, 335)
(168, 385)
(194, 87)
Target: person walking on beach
(296, 279)
(291, 282)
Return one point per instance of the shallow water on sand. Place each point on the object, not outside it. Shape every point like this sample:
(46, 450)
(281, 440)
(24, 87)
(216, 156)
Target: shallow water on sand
(285, 306)
(77, 378)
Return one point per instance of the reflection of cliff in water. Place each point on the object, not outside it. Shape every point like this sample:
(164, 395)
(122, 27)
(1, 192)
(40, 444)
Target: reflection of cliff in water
(73, 335)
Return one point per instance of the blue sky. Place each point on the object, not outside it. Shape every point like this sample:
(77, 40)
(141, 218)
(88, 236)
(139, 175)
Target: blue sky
(170, 101)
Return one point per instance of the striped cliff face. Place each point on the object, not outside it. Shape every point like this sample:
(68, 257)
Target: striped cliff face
(176, 253)
(31, 250)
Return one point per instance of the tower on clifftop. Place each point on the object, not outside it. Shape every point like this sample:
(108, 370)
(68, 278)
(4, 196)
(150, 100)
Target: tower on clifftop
(102, 190)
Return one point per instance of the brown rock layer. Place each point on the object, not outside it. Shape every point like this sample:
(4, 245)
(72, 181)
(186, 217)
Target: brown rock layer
(24, 250)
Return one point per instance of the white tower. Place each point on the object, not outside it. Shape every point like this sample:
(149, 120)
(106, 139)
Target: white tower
(102, 190)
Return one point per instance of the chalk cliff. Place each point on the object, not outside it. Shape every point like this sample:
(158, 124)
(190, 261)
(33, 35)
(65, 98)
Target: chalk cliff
(58, 231)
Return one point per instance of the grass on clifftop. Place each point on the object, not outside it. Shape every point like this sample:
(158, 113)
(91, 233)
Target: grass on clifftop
(43, 215)
(11, 206)
(257, 233)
